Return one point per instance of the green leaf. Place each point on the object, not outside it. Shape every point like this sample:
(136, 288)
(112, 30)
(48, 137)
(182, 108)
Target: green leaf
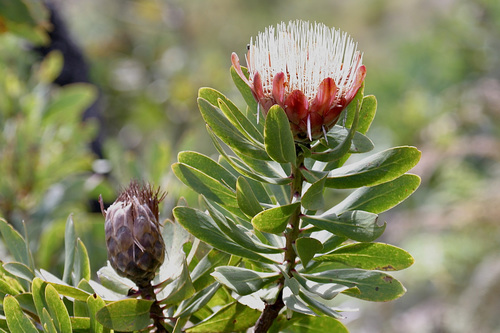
(357, 225)
(244, 89)
(207, 166)
(376, 169)
(292, 299)
(94, 304)
(233, 114)
(15, 243)
(69, 248)
(125, 315)
(48, 322)
(72, 292)
(203, 227)
(332, 243)
(313, 198)
(180, 289)
(243, 281)
(343, 148)
(318, 304)
(57, 310)
(241, 166)
(200, 275)
(201, 183)
(247, 201)
(350, 111)
(16, 320)
(306, 248)
(38, 290)
(7, 288)
(237, 232)
(379, 198)
(338, 134)
(82, 262)
(327, 291)
(371, 285)
(199, 300)
(367, 113)
(274, 220)
(111, 280)
(19, 270)
(229, 134)
(234, 317)
(377, 256)
(71, 101)
(80, 324)
(310, 324)
(278, 137)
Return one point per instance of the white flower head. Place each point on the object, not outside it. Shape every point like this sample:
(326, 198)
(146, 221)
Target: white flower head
(312, 71)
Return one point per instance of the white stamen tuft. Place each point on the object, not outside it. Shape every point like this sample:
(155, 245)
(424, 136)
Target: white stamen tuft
(307, 54)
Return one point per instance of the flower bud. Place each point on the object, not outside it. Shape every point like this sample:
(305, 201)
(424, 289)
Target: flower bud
(135, 245)
(311, 71)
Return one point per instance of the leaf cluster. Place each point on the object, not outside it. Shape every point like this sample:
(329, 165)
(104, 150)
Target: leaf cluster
(263, 200)
(34, 300)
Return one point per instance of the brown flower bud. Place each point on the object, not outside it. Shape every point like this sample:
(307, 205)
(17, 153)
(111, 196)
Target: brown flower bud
(135, 245)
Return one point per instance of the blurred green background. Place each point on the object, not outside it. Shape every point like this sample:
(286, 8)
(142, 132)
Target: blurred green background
(434, 67)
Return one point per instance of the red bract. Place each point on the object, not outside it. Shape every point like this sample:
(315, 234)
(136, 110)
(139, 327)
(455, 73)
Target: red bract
(311, 71)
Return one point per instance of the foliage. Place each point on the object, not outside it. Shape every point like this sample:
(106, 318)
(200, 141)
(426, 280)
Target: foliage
(263, 202)
(436, 79)
(35, 300)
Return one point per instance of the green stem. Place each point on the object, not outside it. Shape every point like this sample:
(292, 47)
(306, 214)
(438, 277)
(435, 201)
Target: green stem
(271, 311)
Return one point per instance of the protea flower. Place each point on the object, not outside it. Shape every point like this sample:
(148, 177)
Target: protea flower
(135, 245)
(312, 71)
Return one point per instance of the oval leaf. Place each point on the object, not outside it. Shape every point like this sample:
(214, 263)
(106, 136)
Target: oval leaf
(20, 270)
(306, 248)
(243, 281)
(126, 315)
(357, 225)
(57, 310)
(376, 256)
(368, 285)
(16, 319)
(376, 169)
(274, 220)
(367, 113)
(379, 198)
(15, 243)
(278, 137)
(313, 198)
